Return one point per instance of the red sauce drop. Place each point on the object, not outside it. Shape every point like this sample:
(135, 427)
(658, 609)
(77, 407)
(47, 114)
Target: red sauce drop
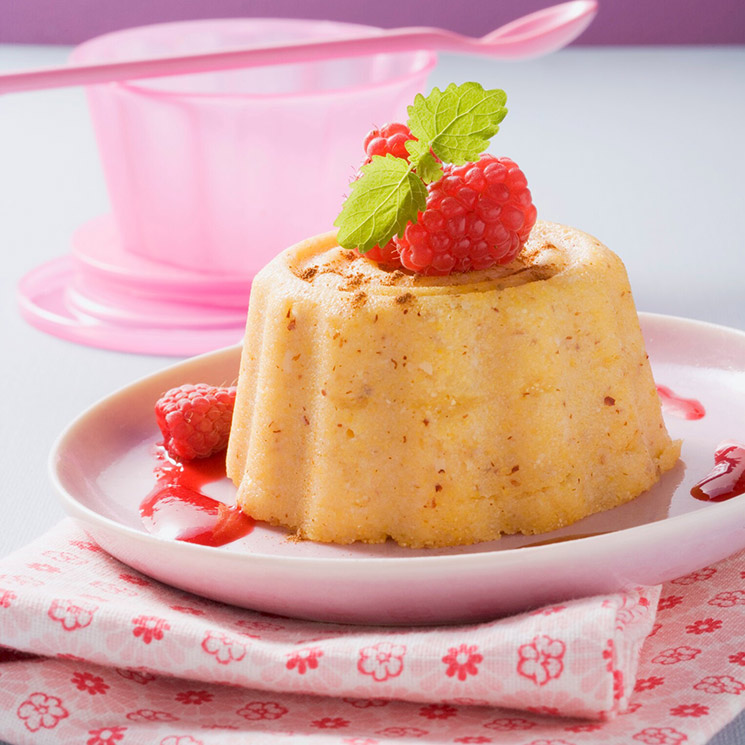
(177, 509)
(685, 408)
(727, 478)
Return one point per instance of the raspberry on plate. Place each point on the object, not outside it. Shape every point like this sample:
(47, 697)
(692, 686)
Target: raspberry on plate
(477, 215)
(195, 419)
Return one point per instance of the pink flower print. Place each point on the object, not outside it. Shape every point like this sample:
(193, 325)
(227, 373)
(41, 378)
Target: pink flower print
(105, 736)
(87, 546)
(89, 683)
(669, 602)
(655, 628)
(660, 736)
(39, 567)
(65, 557)
(402, 732)
(549, 610)
(143, 677)
(728, 599)
(473, 740)
(462, 661)
(304, 659)
(114, 588)
(189, 611)
(609, 654)
(541, 660)
(149, 628)
(180, 740)
(617, 685)
(438, 711)
(71, 615)
(675, 655)
(224, 648)
(21, 579)
(134, 579)
(549, 742)
(150, 715)
(737, 659)
(648, 684)
(690, 710)
(703, 626)
(330, 723)
(700, 576)
(262, 710)
(631, 610)
(366, 703)
(194, 697)
(6, 596)
(720, 684)
(383, 661)
(40, 710)
(577, 728)
(508, 724)
(360, 741)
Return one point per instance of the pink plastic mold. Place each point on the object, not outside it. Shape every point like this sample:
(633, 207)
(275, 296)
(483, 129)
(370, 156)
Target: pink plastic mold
(210, 176)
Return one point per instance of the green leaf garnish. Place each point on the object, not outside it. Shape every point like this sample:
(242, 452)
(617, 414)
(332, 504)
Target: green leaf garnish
(387, 196)
(459, 122)
(456, 125)
(425, 164)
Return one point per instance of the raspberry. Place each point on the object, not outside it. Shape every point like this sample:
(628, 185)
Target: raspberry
(386, 256)
(390, 138)
(195, 420)
(477, 215)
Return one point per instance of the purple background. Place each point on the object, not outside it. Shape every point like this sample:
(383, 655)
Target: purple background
(618, 21)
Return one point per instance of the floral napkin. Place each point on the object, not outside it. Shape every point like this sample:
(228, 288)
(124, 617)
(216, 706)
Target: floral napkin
(96, 653)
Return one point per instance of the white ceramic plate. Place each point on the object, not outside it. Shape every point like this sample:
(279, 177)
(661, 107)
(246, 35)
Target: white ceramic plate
(102, 468)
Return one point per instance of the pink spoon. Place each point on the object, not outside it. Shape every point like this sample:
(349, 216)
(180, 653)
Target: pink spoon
(535, 34)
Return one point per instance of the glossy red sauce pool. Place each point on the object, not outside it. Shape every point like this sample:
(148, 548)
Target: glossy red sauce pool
(727, 478)
(685, 408)
(177, 509)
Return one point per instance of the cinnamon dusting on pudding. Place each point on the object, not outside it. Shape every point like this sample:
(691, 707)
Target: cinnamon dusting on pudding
(346, 271)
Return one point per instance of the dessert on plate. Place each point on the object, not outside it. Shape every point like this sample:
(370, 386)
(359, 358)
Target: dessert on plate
(445, 369)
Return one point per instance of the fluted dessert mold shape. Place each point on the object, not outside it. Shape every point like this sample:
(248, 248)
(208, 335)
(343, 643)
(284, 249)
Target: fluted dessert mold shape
(443, 411)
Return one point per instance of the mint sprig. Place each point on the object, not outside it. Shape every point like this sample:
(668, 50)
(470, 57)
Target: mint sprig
(458, 123)
(380, 203)
(456, 126)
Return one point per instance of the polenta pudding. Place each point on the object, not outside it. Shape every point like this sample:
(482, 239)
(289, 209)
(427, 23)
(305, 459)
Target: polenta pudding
(450, 375)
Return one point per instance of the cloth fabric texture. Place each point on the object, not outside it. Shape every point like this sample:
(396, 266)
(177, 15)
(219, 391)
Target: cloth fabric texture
(96, 653)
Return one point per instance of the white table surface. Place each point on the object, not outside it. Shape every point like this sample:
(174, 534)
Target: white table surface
(641, 147)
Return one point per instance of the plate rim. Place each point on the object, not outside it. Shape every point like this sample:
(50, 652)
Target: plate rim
(697, 519)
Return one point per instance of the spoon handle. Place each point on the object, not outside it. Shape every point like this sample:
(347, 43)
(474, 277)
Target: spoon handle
(398, 40)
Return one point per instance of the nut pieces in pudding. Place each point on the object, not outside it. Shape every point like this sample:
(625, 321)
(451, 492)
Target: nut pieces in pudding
(482, 379)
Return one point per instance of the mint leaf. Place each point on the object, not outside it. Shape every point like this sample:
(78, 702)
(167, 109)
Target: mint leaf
(457, 123)
(381, 203)
(426, 165)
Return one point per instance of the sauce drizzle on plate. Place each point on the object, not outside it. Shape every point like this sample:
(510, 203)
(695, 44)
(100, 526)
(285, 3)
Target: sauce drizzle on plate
(177, 509)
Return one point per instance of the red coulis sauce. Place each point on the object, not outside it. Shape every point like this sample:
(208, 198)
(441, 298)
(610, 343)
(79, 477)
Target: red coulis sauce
(177, 509)
(685, 408)
(727, 478)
